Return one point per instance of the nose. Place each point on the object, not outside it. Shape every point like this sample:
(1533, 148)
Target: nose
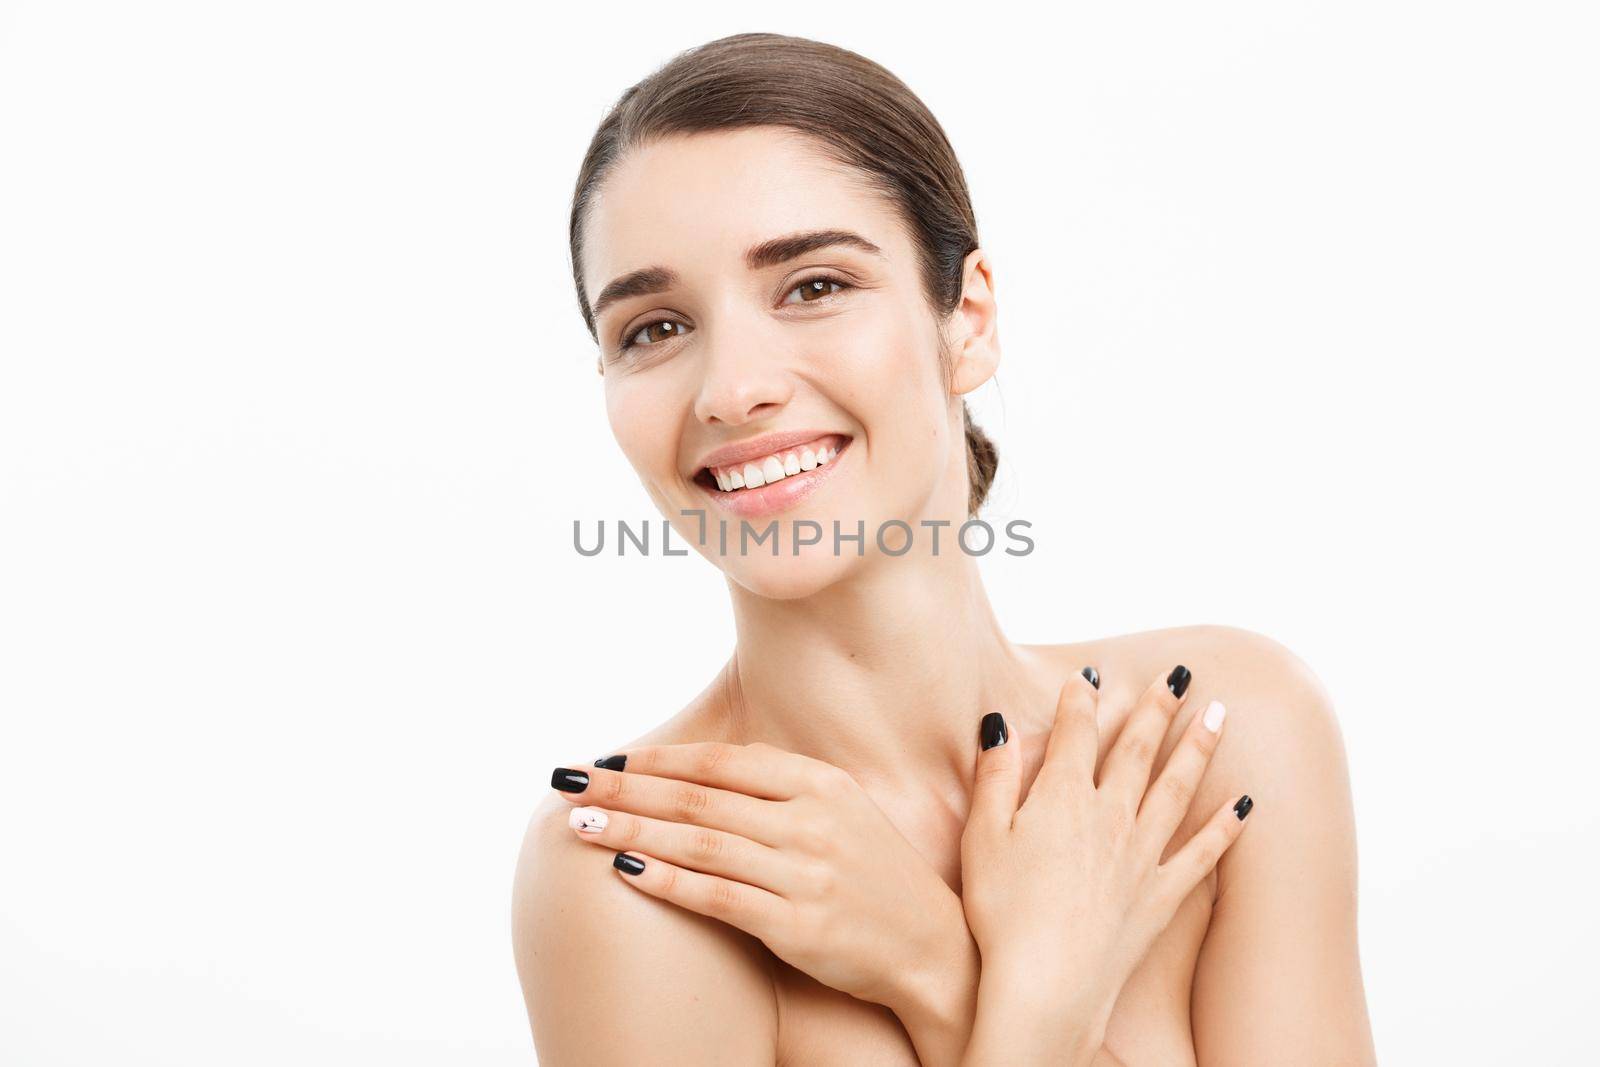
(744, 381)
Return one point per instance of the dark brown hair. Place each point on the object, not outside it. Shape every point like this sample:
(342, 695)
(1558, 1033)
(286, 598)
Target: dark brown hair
(858, 114)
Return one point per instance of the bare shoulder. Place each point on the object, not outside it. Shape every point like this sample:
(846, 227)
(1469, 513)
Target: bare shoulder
(1272, 695)
(1281, 744)
(1282, 727)
(612, 975)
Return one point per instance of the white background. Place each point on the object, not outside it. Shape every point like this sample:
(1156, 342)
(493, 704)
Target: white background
(297, 408)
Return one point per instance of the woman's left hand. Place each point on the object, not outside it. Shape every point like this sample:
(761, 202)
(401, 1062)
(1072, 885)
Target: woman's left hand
(793, 851)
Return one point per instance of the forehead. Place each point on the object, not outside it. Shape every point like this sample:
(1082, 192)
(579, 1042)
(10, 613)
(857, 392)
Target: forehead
(702, 199)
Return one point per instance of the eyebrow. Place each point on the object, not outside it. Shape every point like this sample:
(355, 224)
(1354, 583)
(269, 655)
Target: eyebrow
(648, 280)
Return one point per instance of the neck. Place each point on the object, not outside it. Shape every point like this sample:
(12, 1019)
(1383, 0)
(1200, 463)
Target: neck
(885, 675)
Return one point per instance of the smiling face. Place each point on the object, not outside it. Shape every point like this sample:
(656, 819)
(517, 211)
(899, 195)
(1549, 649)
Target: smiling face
(769, 355)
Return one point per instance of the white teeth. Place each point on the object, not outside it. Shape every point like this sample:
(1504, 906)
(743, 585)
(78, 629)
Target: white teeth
(773, 468)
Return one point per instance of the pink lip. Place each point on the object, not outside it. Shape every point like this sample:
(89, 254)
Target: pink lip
(777, 496)
(757, 447)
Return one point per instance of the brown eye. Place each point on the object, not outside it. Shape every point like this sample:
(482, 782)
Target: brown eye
(650, 333)
(818, 288)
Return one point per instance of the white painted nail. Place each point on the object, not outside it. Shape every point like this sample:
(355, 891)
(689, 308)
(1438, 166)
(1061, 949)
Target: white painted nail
(1215, 713)
(587, 820)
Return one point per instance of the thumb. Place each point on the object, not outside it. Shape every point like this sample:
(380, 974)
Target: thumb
(998, 778)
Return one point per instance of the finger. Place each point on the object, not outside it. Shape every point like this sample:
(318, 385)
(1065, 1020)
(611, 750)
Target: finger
(753, 910)
(697, 847)
(1074, 741)
(674, 800)
(757, 769)
(1169, 796)
(1127, 766)
(998, 778)
(1195, 859)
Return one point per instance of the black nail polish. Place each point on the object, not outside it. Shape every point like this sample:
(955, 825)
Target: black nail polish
(612, 763)
(568, 780)
(1178, 680)
(627, 864)
(1093, 676)
(1242, 808)
(992, 731)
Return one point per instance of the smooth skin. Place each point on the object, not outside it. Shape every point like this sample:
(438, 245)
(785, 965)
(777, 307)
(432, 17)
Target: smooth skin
(1065, 893)
(793, 852)
(848, 660)
(1263, 950)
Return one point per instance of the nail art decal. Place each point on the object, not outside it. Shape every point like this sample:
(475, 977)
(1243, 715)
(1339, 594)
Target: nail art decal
(1178, 680)
(587, 820)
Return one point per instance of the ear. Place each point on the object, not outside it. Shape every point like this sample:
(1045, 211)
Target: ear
(973, 332)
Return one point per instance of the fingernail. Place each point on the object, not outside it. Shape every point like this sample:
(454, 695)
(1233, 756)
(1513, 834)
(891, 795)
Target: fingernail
(587, 820)
(1178, 680)
(1093, 676)
(1215, 713)
(612, 763)
(568, 780)
(627, 864)
(992, 731)
(1242, 808)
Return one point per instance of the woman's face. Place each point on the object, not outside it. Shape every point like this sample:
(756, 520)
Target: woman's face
(763, 385)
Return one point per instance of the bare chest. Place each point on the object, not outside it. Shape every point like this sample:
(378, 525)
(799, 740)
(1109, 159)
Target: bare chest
(820, 1027)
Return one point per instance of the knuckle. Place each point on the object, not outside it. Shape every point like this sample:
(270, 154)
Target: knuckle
(820, 880)
(705, 844)
(1120, 821)
(615, 789)
(992, 770)
(667, 878)
(1176, 790)
(1166, 890)
(837, 779)
(810, 837)
(724, 897)
(688, 803)
(1207, 851)
(1139, 747)
(630, 831)
(821, 777)
(711, 756)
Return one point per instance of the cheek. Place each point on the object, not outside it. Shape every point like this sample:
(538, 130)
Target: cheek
(890, 378)
(641, 426)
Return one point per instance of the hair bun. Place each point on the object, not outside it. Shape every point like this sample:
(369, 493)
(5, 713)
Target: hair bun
(983, 458)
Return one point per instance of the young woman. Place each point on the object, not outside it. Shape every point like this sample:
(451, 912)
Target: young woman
(884, 833)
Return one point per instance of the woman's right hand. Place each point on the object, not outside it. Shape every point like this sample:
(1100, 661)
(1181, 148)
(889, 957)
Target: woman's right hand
(1066, 894)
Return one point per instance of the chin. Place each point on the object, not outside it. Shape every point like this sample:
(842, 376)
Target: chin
(787, 577)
